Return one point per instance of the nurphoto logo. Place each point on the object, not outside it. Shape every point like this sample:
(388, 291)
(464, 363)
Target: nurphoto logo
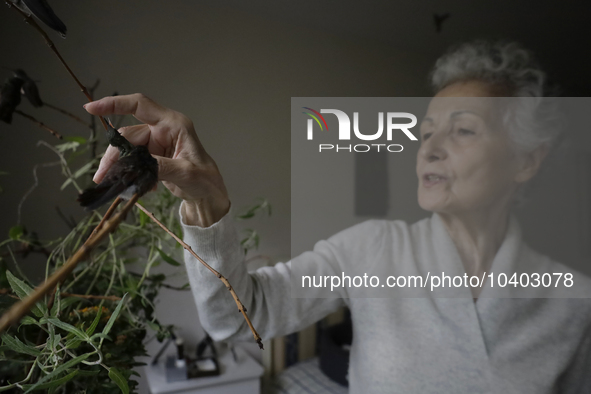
(344, 130)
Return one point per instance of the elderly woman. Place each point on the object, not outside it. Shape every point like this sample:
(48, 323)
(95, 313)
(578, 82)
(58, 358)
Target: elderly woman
(470, 170)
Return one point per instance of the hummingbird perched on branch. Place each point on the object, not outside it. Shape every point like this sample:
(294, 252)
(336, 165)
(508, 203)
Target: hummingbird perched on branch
(42, 11)
(10, 98)
(29, 88)
(134, 173)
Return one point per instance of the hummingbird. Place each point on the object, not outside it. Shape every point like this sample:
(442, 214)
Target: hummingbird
(42, 10)
(135, 173)
(29, 88)
(10, 98)
(117, 140)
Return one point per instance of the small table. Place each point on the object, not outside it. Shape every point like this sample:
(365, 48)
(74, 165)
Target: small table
(241, 377)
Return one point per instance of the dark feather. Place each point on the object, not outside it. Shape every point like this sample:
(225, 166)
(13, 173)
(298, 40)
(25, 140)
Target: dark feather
(29, 89)
(134, 173)
(42, 11)
(117, 140)
(94, 197)
(10, 98)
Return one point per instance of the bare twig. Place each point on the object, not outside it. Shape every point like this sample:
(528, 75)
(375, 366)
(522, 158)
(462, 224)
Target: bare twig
(106, 217)
(18, 310)
(38, 123)
(92, 297)
(225, 281)
(69, 114)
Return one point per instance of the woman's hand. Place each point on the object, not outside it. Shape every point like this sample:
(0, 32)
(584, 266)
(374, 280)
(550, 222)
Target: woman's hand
(183, 165)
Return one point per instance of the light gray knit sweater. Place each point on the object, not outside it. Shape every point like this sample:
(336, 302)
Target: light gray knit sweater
(406, 345)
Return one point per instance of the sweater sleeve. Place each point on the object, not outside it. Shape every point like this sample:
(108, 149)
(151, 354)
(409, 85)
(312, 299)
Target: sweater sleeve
(266, 292)
(577, 378)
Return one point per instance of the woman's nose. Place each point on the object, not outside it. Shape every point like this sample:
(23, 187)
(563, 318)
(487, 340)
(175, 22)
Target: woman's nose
(432, 148)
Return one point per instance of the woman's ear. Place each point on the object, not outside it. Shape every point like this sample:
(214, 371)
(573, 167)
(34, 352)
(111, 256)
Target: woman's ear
(531, 163)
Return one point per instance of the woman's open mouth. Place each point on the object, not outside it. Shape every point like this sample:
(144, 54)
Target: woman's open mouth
(431, 179)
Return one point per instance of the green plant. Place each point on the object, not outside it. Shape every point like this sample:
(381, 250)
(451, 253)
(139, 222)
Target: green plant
(85, 335)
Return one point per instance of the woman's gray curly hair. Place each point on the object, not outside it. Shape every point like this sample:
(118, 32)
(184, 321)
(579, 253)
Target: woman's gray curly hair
(532, 118)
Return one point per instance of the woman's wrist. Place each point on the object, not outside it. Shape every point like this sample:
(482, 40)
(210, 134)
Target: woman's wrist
(204, 213)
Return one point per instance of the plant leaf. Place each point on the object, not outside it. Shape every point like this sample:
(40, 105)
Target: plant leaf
(19, 347)
(167, 258)
(72, 145)
(66, 302)
(66, 183)
(95, 322)
(100, 335)
(27, 321)
(114, 315)
(56, 372)
(23, 290)
(73, 343)
(68, 327)
(56, 303)
(116, 377)
(80, 140)
(16, 232)
(83, 170)
(143, 218)
(53, 384)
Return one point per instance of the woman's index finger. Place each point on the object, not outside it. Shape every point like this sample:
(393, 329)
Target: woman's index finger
(140, 106)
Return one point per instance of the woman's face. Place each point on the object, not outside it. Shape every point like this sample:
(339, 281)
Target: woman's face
(465, 162)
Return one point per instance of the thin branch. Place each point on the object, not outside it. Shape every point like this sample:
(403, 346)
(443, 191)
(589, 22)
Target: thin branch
(225, 281)
(18, 310)
(29, 20)
(106, 217)
(91, 297)
(38, 123)
(8, 292)
(51, 45)
(69, 114)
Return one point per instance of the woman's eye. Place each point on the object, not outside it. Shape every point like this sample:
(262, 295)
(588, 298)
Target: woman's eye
(426, 136)
(465, 131)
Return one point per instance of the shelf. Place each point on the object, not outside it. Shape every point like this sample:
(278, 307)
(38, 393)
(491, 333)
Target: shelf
(242, 376)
